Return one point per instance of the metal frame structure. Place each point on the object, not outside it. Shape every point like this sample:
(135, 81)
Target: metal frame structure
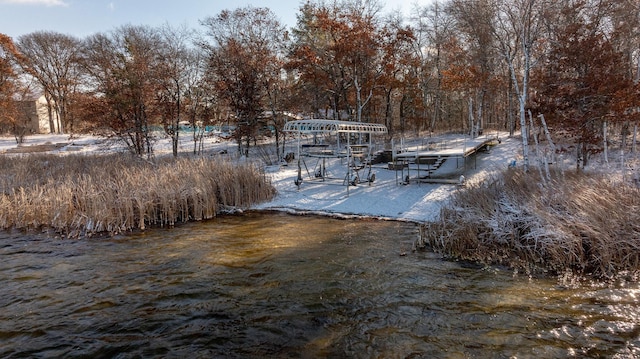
(333, 127)
(403, 158)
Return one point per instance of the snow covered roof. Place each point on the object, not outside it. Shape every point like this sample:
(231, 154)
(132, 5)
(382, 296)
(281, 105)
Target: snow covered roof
(332, 126)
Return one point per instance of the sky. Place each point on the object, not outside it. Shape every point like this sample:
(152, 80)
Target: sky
(82, 18)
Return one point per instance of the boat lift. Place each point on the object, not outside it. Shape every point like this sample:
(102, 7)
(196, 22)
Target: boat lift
(353, 152)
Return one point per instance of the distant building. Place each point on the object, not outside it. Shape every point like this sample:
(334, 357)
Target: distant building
(36, 115)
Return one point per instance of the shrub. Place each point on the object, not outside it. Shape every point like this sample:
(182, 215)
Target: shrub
(582, 223)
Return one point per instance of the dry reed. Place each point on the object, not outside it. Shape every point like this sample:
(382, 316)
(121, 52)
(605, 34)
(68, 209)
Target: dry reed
(584, 224)
(85, 195)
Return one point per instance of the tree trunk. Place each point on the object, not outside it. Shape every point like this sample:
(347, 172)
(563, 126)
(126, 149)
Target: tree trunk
(480, 113)
(52, 124)
(387, 109)
(522, 98)
(277, 135)
(174, 142)
(624, 134)
(578, 156)
(537, 149)
(635, 136)
(583, 155)
(547, 135)
(512, 125)
(247, 145)
(604, 142)
(471, 121)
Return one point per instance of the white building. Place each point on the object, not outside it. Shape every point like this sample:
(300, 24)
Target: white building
(37, 116)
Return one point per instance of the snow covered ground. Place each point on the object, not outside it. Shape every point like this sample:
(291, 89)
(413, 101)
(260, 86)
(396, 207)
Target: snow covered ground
(62, 144)
(387, 197)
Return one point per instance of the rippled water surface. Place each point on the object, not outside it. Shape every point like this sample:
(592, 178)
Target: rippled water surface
(273, 286)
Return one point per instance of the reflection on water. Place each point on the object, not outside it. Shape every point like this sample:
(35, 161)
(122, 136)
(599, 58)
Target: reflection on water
(272, 285)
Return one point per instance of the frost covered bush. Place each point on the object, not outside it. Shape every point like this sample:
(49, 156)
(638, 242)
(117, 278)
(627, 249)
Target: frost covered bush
(583, 223)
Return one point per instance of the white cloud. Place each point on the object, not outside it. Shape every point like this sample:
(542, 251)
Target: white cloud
(112, 6)
(35, 2)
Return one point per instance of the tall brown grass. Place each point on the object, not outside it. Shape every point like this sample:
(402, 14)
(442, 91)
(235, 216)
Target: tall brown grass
(84, 195)
(579, 223)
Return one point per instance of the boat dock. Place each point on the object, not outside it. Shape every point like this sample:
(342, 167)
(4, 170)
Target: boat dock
(425, 159)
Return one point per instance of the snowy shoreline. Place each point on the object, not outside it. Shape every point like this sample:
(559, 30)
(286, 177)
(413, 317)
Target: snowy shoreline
(386, 198)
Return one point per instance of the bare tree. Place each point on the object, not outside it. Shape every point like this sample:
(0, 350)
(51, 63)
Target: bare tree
(124, 67)
(174, 79)
(587, 82)
(200, 101)
(338, 48)
(10, 90)
(398, 61)
(626, 37)
(474, 21)
(362, 48)
(517, 26)
(434, 29)
(52, 58)
(244, 45)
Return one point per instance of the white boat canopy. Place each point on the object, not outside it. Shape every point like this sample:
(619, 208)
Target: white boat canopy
(333, 127)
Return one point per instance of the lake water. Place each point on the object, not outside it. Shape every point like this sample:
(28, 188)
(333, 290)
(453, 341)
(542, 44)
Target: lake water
(279, 286)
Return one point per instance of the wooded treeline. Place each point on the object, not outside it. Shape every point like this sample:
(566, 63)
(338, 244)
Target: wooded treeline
(455, 65)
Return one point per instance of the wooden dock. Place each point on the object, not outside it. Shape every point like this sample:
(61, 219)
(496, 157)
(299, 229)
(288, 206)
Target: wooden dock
(429, 160)
(454, 149)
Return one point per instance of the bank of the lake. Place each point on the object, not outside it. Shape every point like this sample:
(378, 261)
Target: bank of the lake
(582, 223)
(84, 195)
(587, 224)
